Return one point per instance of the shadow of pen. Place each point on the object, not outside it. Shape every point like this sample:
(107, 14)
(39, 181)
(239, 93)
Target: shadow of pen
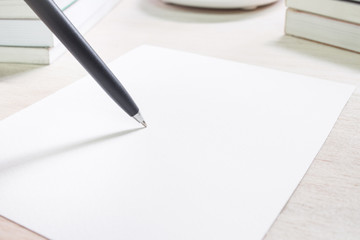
(30, 158)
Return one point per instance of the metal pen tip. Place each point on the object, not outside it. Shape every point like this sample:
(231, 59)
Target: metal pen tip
(140, 119)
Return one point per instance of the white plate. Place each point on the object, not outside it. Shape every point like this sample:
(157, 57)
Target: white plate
(223, 4)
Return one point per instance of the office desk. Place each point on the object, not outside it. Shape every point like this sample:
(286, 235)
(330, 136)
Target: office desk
(326, 204)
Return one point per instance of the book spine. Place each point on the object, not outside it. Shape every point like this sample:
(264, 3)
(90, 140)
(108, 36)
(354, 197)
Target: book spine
(25, 33)
(83, 20)
(16, 9)
(24, 55)
(17, 12)
(324, 30)
(341, 10)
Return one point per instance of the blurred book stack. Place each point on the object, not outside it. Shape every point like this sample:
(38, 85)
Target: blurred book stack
(25, 39)
(332, 22)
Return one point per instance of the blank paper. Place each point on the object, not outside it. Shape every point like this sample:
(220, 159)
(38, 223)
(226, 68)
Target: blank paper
(226, 146)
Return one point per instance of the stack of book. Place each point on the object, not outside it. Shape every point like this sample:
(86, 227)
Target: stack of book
(25, 39)
(332, 22)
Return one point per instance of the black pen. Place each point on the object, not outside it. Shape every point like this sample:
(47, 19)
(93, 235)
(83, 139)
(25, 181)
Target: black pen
(65, 31)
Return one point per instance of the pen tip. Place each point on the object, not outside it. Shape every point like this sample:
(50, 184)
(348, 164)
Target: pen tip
(140, 119)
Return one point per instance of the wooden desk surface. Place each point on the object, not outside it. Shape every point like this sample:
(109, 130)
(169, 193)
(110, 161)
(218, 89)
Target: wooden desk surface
(326, 204)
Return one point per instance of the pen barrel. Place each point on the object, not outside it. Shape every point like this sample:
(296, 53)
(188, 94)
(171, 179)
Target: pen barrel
(60, 25)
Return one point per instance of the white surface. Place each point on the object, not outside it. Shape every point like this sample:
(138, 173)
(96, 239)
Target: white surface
(213, 164)
(221, 4)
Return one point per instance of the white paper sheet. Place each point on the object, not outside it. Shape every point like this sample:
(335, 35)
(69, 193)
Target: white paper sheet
(226, 146)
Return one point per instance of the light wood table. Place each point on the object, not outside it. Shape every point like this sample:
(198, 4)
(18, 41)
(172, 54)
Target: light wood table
(326, 204)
